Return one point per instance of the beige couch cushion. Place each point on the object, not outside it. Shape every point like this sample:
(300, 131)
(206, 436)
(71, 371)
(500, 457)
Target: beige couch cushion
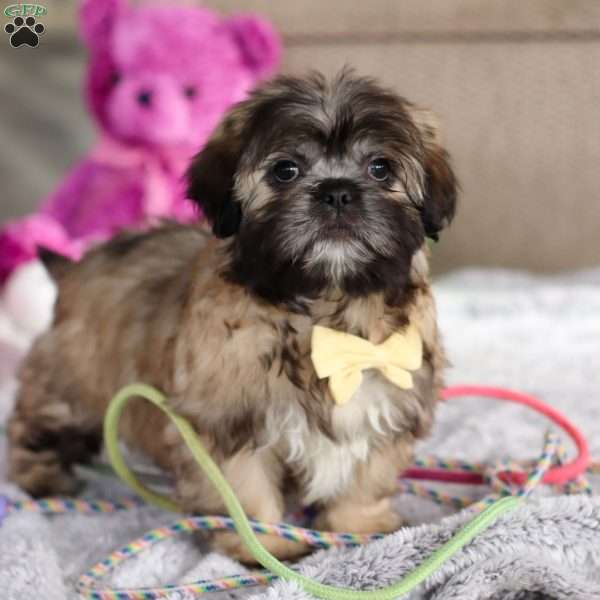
(517, 85)
(332, 17)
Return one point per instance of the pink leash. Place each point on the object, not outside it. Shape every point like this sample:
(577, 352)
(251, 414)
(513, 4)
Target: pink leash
(556, 475)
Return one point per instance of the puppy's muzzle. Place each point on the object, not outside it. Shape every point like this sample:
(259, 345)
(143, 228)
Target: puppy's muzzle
(337, 193)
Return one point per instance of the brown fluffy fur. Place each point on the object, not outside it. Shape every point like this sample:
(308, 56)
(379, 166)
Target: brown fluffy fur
(229, 342)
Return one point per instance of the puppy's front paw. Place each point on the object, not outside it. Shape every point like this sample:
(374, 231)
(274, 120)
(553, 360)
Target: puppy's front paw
(231, 544)
(391, 522)
(377, 517)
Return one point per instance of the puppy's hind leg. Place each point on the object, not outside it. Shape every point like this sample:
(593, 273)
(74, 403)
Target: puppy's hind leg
(45, 440)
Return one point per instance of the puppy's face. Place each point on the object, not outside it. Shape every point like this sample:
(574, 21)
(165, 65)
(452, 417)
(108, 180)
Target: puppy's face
(324, 186)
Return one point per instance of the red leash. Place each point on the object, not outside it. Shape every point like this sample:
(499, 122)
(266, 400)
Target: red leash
(557, 475)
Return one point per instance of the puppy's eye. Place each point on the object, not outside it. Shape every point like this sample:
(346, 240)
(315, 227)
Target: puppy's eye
(379, 169)
(286, 171)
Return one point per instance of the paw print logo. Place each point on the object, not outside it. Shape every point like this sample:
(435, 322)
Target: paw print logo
(24, 31)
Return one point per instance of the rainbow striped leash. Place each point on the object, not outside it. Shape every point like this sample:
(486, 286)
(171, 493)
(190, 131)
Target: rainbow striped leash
(90, 586)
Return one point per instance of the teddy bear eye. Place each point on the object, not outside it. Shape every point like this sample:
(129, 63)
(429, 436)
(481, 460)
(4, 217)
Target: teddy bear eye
(115, 77)
(189, 91)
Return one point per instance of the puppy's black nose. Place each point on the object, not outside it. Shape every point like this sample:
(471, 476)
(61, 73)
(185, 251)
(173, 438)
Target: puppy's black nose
(144, 98)
(337, 193)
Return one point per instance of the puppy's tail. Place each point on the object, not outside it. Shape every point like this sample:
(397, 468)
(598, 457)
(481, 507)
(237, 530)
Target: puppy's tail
(56, 264)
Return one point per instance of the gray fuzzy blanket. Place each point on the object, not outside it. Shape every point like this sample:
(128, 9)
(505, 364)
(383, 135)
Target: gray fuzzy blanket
(540, 335)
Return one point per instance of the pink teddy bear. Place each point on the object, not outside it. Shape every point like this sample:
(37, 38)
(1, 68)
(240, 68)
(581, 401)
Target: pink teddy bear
(159, 79)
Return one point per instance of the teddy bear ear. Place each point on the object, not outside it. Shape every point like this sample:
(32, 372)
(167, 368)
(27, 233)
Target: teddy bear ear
(259, 43)
(96, 19)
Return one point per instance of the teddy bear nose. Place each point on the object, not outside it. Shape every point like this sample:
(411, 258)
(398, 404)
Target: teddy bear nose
(144, 97)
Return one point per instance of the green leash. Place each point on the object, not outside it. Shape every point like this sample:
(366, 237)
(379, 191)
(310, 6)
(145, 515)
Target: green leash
(235, 510)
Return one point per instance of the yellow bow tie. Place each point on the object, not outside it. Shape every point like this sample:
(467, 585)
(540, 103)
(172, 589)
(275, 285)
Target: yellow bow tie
(343, 357)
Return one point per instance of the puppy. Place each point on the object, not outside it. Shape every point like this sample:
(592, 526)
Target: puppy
(321, 195)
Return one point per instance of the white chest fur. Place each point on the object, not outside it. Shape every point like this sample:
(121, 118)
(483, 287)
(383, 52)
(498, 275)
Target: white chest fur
(327, 467)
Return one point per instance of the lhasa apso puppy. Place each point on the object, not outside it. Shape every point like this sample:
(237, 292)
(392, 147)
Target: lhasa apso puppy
(321, 195)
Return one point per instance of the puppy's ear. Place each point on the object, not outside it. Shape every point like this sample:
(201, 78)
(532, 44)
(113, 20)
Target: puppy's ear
(211, 177)
(440, 185)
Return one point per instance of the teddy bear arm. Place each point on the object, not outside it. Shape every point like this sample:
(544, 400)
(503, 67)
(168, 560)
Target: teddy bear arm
(96, 201)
